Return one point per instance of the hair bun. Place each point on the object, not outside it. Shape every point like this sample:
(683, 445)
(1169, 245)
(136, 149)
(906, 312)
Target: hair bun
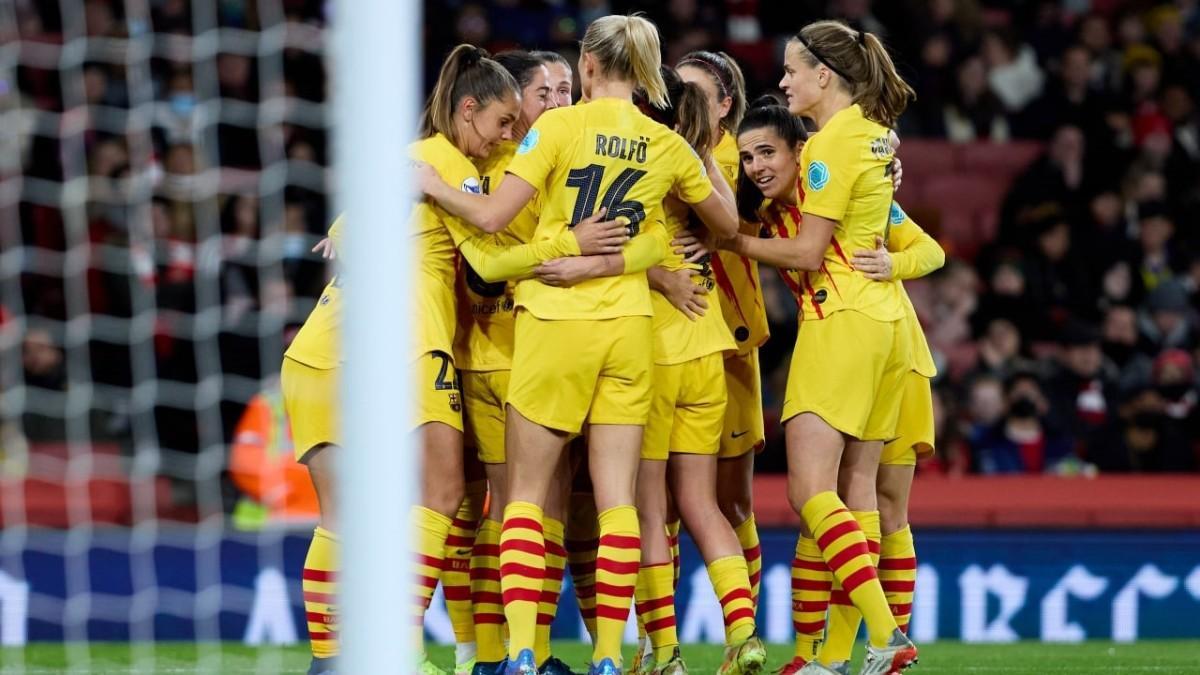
(764, 101)
(473, 56)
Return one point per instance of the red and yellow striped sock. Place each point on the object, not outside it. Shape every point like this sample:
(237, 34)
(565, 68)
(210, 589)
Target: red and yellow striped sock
(656, 608)
(430, 529)
(582, 540)
(522, 570)
(844, 617)
(811, 582)
(556, 560)
(673, 542)
(617, 560)
(747, 534)
(731, 582)
(486, 598)
(898, 573)
(319, 583)
(845, 550)
(456, 573)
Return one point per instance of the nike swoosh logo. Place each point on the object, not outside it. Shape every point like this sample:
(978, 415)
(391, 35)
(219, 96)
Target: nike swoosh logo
(738, 434)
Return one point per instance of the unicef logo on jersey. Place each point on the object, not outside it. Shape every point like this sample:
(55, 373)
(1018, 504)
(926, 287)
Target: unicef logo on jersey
(818, 175)
(897, 214)
(529, 142)
(471, 184)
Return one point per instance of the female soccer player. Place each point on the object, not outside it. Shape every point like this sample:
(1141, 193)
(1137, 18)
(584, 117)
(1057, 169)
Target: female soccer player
(483, 348)
(471, 109)
(720, 77)
(684, 429)
(581, 353)
(851, 348)
(910, 253)
(562, 78)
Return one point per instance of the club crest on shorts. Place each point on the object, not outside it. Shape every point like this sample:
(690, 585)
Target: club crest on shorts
(529, 142)
(818, 175)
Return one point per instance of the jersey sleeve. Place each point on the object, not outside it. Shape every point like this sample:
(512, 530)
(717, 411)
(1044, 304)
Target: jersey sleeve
(538, 153)
(691, 182)
(829, 175)
(648, 249)
(914, 253)
(495, 261)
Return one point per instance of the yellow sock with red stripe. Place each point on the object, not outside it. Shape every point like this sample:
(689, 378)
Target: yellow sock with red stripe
(456, 571)
(844, 617)
(430, 529)
(522, 569)
(582, 540)
(617, 560)
(898, 573)
(811, 582)
(656, 608)
(486, 600)
(319, 584)
(731, 582)
(556, 560)
(673, 542)
(747, 534)
(845, 550)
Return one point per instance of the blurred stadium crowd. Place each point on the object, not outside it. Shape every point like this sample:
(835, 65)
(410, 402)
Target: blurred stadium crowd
(1054, 149)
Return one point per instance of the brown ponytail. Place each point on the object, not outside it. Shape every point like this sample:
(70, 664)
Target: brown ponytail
(862, 64)
(727, 75)
(628, 48)
(467, 71)
(686, 111)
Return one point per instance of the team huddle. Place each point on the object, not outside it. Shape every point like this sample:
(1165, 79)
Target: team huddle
(586, 353)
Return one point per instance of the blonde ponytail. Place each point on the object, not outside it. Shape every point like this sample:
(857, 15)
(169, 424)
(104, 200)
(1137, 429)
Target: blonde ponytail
(628, 48)
(863, 66)
(467, 71)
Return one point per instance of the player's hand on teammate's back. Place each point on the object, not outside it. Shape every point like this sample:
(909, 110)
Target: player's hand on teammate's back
(426, 178)
(689, 245)
(597, 236)
(569, 271)
(683, 293)
(875, 264)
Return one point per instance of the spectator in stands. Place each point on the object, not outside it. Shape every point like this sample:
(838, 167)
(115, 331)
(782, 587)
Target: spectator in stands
(1057, 282)
(1083, 387)
(1060, 176)
(1071, 100)
(975, 113)
(1144, 440)
(1183, 164)
(1168, 321)
(1096, 36)
(1024, 440)
(1013, 71)
(1119, 342)
(1007, 297)
(1158, 260)
(44, 372)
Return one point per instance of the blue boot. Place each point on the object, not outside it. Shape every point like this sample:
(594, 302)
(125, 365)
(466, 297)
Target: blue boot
(323, 666)
(524, 665)
(605, 667)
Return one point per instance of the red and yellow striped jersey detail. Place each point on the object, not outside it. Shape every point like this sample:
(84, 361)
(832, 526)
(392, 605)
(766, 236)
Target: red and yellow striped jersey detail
(736, 276)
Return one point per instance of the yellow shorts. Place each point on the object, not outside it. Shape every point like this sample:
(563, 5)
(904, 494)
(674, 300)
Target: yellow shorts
(688, 409)
(439, 394)
(849, 369)
(310, 397)
(914, 430)
(743, 429)
(483, 415)
(566, 372)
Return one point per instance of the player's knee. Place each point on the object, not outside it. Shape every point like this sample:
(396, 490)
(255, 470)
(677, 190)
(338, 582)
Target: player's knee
(445, 496)
(893, 513)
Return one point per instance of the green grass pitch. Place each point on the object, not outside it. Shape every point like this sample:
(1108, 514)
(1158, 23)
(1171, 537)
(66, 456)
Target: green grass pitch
(1025, 658)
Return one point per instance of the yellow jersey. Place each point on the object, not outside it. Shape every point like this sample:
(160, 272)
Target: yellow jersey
(914, 254)
(487, 310)
(737, 276)
(845, 168)
(604, 153)
(318, 342)
(678, 339)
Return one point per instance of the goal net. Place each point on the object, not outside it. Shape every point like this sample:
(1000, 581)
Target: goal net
(164, 173)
